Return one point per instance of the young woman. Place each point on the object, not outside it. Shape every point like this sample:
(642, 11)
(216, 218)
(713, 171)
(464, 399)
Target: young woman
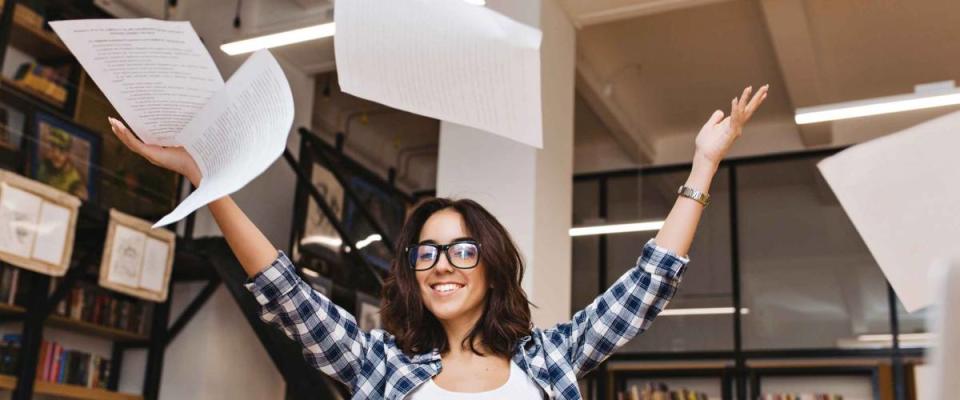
(457, 321)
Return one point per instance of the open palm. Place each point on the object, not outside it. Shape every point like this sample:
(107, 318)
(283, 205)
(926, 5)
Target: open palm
(718, 134)
(175, 159)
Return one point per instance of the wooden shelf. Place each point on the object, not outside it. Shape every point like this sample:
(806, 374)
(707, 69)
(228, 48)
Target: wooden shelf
(47, 100)
(95, 329)
(8, 382)
(8, 309)
(29, 38)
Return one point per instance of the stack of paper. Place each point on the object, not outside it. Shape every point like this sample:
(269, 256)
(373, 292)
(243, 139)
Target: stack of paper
(164, 84)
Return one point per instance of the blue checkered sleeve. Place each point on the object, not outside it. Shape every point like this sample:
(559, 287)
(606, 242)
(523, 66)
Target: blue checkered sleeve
(626, 309)
(331, 339)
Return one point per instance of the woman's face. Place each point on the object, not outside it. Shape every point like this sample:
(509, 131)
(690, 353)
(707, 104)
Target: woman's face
(449, 292)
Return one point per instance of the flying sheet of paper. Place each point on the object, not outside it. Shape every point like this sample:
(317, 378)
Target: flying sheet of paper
(156, 74)
(163, 82)
(444, 59)
(901, 192)
(239, 133)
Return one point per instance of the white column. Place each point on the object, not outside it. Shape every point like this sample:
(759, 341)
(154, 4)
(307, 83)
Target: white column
(528, 190)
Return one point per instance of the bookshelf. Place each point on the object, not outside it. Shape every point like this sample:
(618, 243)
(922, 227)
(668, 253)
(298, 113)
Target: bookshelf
(24, 39)
(28, 35)
(8, 382)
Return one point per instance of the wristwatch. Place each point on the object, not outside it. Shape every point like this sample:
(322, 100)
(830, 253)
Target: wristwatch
(695, 195)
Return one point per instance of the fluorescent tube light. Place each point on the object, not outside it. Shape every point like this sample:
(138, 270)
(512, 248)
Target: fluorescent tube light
(476, 2)
(904, 337)
(702, 311)
(616, 228)
(922, 99)
(279, 39)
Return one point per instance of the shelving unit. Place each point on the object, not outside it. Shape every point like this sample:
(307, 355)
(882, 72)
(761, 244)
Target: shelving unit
(21, 29)
(8, 382)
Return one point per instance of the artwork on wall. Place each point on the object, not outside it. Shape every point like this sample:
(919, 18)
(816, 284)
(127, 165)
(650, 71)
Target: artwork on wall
(137, 259)
(385, 207)
(65, 157)
(318, 232)
(12, 124)
(37, 225)
(368, 312)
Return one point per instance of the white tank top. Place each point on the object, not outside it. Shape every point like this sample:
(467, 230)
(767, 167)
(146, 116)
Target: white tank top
(518, 386)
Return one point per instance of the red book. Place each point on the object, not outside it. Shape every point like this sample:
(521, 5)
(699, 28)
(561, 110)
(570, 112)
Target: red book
(44, 345)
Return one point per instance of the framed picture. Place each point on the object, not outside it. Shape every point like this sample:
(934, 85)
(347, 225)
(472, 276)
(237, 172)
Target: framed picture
(137, 260)
(65, 157)
(318, 233)
(37, 225)
(12, 124)
(368, 312)
(386, 208)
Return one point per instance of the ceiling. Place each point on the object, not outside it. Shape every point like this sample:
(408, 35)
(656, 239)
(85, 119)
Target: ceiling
(649, 72)
(664, 65)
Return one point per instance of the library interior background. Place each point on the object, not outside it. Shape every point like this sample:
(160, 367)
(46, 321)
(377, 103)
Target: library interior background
(783, 297)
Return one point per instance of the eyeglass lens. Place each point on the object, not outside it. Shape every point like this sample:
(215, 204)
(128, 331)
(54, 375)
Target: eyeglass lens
(460, 255)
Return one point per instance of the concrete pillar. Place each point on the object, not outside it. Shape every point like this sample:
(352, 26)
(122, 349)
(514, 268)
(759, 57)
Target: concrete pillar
(529, 190)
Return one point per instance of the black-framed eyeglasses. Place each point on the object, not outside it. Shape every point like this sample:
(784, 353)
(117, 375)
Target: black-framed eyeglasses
(462, 254)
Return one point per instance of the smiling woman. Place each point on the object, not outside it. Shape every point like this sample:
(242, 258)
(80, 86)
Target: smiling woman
(457, 320)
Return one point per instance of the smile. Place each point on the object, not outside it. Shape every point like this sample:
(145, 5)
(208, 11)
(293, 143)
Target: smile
(446, 288)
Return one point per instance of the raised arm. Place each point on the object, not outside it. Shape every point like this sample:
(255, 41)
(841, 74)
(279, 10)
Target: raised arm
(251, 247)
(331, 339)
(712, 144)
(629, 306)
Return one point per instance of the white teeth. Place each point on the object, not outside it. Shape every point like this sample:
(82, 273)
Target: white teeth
(447, 287)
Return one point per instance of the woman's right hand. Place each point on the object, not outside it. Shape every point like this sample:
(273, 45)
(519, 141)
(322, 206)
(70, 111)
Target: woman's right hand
(175, 159)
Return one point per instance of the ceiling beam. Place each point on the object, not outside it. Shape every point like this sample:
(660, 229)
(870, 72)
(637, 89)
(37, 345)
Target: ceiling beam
(789, 30)
(590, 86)
(636, 9)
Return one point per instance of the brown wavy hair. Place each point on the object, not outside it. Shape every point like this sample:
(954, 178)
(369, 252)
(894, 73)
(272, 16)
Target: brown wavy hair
(506, 312)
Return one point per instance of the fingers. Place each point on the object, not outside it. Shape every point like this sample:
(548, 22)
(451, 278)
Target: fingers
(715, 118)
(129, 140)
(757, 99)
(742, 103)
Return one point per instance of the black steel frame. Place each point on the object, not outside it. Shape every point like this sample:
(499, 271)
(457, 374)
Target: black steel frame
(742, 375)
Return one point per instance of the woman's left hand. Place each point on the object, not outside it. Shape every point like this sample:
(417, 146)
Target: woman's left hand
(719, 133)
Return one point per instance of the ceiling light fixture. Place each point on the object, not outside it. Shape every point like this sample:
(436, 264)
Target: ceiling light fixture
(616, 228)
(702, 311)
(476, 2)
(938, 94)
(279, 39)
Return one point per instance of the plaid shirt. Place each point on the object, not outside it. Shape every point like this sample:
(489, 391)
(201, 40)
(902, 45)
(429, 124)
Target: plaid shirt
(373, 367)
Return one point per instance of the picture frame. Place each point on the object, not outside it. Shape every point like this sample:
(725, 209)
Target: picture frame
(65, 157)
(137, 259)
(385, 207)
(318, 234)
(37, 225)
(13, 123)
(368, 312)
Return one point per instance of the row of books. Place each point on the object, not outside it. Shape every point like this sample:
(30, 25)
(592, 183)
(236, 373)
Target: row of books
(86, 302)
(9, 354)
(660, 391)
(96, 305)
(10, 292)
(811, 396)
(73, 367)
